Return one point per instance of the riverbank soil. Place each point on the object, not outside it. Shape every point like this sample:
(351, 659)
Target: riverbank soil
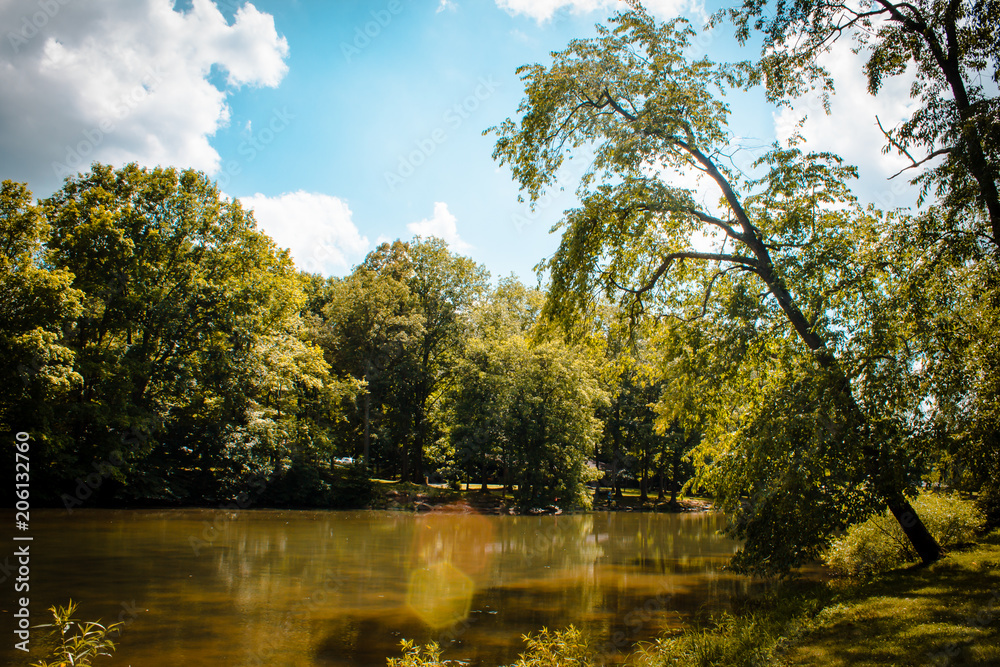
(945, 614)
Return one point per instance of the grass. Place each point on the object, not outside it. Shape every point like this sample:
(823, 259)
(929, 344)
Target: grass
(945, 614)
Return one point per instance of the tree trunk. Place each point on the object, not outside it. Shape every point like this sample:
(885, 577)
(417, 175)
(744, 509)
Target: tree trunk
(921, 539)
(643, 474)
(674, 474)
(417, 451)
(367, 446)
(616, 455)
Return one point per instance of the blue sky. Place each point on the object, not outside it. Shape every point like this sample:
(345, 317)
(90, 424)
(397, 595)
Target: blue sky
(343, 124)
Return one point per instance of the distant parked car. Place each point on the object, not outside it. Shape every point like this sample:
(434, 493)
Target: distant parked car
(344, 461)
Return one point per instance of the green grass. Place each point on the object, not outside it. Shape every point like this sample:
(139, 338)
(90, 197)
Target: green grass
(947, 614)
(944, 614)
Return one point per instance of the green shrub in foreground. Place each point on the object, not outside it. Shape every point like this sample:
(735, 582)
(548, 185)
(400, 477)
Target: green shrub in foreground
(879, 544)
(80, 642)
(735, 641)
(561, 648)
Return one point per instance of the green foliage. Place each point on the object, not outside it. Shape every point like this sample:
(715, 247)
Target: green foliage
(785, 309)
(523, 405)
(560, 648)
(310, 483)
(947, 46)
(419, 656)
(988, 503)
(353, 488)
(944, 258)
(553, 428)
(878, 544)
(398, 324)
(159, 335)
(80, 642)
(734, 641)
(36, 365)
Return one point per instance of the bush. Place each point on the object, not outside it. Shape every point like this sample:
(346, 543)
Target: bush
(879, 544)
(562, 648)
(989, 503)
(80, 642)
(354, 488)
(310, 485)
(734, 641)
(418, 656)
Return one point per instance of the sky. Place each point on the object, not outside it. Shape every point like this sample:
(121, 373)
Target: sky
(345, 124)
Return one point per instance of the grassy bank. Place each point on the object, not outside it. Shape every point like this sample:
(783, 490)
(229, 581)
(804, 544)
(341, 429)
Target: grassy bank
(944, 614)
(947, 614)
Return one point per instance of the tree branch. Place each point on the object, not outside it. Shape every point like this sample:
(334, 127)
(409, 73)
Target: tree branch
(744, 262)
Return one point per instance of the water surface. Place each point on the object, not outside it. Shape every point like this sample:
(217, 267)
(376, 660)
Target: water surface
(261, 587)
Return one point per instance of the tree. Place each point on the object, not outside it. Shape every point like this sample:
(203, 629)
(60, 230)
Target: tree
(190, 341)
(651, 115)
(486, 378)
(370, 323)
(951, 295)
(553, 427)
(525, 403)
(38, 303)
(444, 286)
(946, 44)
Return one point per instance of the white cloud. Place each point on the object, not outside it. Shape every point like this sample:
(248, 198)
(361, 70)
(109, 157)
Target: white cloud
(446, 4)
(851, 130)
(124, 80)
(316, 228)
(441, 225)
(544, 10)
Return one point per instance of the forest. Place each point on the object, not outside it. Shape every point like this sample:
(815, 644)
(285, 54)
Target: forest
(179, 357)
(805, 359)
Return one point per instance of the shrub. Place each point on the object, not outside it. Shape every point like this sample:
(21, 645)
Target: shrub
(418, 656)
(354, 488)
(562, 648)
(879, 544)
(989, 503)
(80, 643)
(734, 641)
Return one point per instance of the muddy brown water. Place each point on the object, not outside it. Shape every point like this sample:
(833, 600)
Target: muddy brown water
(262, 587)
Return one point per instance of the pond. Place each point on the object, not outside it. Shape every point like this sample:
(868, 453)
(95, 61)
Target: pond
(263, 587)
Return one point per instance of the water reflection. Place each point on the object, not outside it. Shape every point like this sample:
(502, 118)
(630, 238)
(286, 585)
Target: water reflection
(336, 588)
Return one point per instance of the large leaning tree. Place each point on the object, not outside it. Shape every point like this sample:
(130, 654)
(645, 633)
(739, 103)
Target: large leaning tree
(949, 256)
(776, 247)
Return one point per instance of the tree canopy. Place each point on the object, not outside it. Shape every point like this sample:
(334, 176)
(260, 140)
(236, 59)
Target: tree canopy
(779, 264)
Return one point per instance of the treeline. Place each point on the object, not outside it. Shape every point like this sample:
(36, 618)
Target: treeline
(159, 348)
